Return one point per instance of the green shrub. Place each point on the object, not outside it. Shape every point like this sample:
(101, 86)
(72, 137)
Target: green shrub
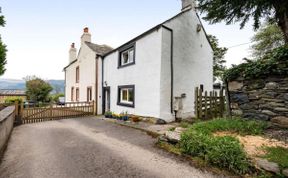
(278, 155)
(237, 125)
(225, 152)
(273, 63)
(13, 99)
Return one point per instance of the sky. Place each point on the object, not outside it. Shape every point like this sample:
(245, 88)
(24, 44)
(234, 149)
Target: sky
(38, 34)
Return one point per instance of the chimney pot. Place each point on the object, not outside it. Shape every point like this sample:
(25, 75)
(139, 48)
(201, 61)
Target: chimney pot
(73, 45)
(86, 30)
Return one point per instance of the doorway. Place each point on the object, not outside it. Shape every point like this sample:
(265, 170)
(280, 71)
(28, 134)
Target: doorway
(106, 99)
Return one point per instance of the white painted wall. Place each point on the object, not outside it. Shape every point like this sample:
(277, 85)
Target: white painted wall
(193, 60)
(86, 62)
(145, 75)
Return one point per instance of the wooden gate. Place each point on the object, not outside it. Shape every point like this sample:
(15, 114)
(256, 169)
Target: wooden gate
(209, 105)
(47, 112)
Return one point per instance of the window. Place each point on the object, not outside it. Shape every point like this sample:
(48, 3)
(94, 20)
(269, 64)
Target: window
(72, 94)
(77, 94)
(127, 56)
(77, 74)
(126, 95)
(89, 93)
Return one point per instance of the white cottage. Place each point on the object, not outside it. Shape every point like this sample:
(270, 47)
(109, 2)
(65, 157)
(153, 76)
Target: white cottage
(154, 74)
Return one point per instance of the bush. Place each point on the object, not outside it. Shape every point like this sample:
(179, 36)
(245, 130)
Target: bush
(225, 152)
(273, 63)
(13, 99)
(236, 125)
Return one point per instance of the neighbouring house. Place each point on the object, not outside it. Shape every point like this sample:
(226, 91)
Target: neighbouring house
(154, 74)
(8, 93)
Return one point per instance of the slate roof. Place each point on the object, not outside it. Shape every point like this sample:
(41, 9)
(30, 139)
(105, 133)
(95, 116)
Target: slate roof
(12, 92)
(100, 49)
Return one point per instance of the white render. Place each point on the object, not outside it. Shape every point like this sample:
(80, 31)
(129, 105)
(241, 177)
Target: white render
(151, 73)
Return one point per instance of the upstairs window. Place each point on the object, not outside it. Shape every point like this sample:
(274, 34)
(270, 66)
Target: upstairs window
(126, 95)
(127, 56)
(77, 74)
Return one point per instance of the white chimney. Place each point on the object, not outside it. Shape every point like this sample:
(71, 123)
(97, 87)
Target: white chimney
(72, 53)
(188, 4)
(86, 36)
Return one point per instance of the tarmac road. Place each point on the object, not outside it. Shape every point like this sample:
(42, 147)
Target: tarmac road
(88, 147)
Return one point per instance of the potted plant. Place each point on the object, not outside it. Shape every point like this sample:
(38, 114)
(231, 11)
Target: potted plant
(114, 115)
(108, 114)
(125, 116)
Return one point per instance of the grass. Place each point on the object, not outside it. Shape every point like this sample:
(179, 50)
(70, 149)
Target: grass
(224, 152)
(278, 155)
(237, 125)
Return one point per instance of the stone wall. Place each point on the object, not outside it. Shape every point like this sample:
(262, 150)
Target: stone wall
(263, 99)
(7, 116)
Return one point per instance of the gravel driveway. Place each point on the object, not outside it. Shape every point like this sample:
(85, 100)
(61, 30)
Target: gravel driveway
(88, 147)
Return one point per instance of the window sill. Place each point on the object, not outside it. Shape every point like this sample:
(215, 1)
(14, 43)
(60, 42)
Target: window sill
(126, 105)
(126, 65)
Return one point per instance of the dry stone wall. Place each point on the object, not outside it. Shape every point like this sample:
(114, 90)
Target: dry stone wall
(263, 99)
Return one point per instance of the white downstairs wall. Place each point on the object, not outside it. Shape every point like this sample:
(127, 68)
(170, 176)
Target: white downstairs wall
(193, 62)
(144, 74)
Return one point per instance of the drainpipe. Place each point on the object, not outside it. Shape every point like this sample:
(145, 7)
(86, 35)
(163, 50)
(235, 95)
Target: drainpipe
(102, 85)
(171, 67)
(96, 83)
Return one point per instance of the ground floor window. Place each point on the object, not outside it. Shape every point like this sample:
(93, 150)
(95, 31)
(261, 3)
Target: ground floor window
(89, 93)
(72, 93)
(126, 95)
(77, 94)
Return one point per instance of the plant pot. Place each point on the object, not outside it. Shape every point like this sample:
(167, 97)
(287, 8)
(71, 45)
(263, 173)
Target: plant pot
(125, 118)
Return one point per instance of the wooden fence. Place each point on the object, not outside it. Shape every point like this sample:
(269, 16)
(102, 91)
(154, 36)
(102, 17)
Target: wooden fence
(209, 105)
(47, 112)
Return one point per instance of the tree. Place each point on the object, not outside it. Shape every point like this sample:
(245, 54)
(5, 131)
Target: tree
(218, 58)
(3, 49)
(37, 89)
(266, 39)
(232, 11)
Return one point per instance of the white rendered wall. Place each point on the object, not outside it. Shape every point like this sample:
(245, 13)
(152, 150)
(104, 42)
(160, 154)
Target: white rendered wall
(193, 60)
(86, 63)
(144, 74)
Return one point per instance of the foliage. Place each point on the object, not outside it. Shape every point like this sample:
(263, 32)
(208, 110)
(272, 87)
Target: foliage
(235, 125)
(185, 124)
(274, 62)
(226, 151)
(3, 49)
(37, 89)
(13, 99)
(55, 97)
(242, 11)
(266, 39)
(278, 155)
(218, 57)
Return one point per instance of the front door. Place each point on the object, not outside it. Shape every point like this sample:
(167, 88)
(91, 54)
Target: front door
(106, 99)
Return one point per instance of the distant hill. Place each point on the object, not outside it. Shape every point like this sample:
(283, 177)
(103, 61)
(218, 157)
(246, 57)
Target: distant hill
(58, 85)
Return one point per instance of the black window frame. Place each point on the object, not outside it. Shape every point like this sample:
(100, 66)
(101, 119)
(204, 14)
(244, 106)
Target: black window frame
(123, 49)
(119, 95)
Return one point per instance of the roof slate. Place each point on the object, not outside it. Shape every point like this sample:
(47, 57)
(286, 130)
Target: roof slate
(100, 49)
(12, 92)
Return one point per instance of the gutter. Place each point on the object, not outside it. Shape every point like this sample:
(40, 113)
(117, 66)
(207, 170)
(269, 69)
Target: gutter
(171, 66)
(102, 85)
(96, 84)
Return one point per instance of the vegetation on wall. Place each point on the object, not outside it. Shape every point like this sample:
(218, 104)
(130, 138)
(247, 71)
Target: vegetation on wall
(3, 49)
(274, 63)
(37, 89)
